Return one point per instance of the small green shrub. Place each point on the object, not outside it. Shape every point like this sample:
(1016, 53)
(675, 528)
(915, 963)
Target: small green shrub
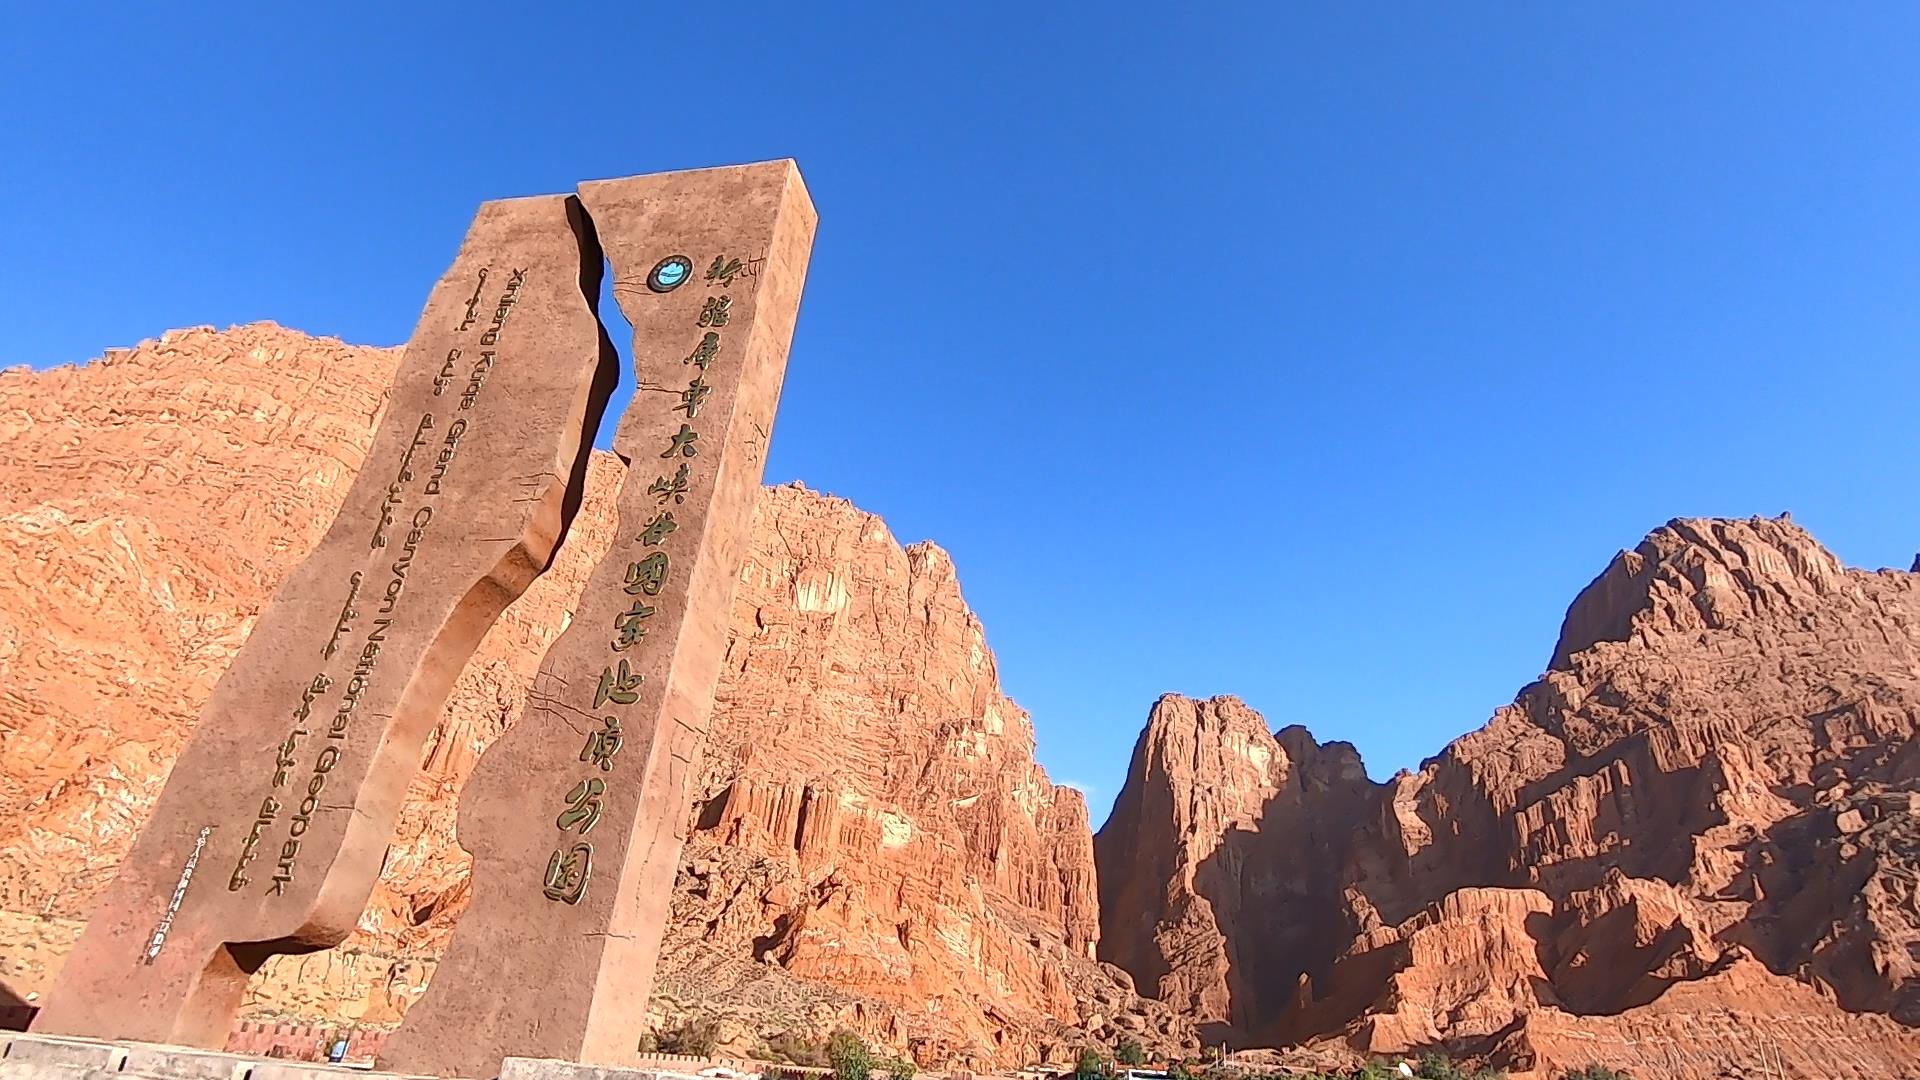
(849, 1056)
(899, 1068)
(1437, 1066)
(1130, 1053)
(1090, 1066)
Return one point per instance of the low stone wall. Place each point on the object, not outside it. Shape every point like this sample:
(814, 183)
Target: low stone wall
(297, 1052)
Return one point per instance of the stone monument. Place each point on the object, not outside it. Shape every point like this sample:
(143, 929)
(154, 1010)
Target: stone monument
(274, 823)
(576, 815)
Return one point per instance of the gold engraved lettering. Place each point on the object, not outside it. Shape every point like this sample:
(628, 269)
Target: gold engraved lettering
(338, 727)
(473, 305)
(584, 806)
(448, 368)
(656, 530)
(704, 352)
(401, 478)
(628, 624)
(398, 582)
(723, 269)
(347, 615)
(269, 810)
(567, 873)
(693, 397)
(622, 688)
(718, 310)
(476, 379)
(603, 744)
(682, 443)
(663, 489)
(452, 443)
(515, 279)
(284, 759)
(647, 575)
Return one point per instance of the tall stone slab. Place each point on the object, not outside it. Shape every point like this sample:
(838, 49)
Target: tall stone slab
(271, 831)
(576, 815)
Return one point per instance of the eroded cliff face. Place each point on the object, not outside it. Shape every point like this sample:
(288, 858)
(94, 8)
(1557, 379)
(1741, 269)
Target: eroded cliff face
(874, 844)
(1708, 803)
(1690, 848)
(1223, 827)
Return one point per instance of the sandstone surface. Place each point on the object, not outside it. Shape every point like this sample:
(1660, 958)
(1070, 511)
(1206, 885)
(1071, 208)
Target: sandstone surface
(873, 843)
(1691, 848)
(466, 492)
(1701, 818)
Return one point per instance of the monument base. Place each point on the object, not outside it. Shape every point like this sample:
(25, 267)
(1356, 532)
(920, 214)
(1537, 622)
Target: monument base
(25, 1056)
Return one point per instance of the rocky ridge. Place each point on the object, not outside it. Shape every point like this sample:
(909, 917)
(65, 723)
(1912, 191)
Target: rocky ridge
(1691, 848)
(874, 845)
(1705, 816)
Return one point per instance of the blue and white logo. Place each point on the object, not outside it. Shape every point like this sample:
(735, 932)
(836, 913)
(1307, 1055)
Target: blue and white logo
(670, 273)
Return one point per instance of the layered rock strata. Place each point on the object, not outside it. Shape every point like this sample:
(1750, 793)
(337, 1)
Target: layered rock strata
(874, 844)
(1708, 800)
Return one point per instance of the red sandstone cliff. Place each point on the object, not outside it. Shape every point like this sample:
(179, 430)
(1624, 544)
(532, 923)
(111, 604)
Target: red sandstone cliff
(1692, 846)
(875, 843)
(1189, 862)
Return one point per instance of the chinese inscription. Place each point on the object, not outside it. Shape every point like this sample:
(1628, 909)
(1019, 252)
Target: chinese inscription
(569, 868)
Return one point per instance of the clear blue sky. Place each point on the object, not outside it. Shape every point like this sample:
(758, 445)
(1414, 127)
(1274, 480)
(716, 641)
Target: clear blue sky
(1315, 355)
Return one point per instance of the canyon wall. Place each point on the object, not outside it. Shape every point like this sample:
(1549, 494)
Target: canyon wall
(1692, 847)
(1705, 815)
(874, 845)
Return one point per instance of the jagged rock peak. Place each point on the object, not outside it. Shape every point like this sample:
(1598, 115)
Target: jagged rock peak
(1222, 737)
(1709, 807)
(1700, 573)
(1191, 855)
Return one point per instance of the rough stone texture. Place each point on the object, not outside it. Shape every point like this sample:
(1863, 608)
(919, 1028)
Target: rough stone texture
(182, 1063)
(576, 815)
(67, 1053)
(867, 753)
(1708, 800)
(276, 1070)
(150, 501)
(272, 827)
(1190, 859)
(524, 1068)
(24, 1069)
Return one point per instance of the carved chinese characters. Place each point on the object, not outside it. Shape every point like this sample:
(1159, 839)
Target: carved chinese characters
(283, 803)
(574, 815)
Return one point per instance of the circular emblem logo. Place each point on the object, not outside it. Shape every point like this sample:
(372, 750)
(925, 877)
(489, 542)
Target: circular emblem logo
(670, 273)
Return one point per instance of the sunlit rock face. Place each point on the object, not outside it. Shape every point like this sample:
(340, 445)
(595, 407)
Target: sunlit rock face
(1708, 801)
(873, 843)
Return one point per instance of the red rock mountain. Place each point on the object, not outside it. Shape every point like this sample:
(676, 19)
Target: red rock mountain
(1692, 847)
(875, 845)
